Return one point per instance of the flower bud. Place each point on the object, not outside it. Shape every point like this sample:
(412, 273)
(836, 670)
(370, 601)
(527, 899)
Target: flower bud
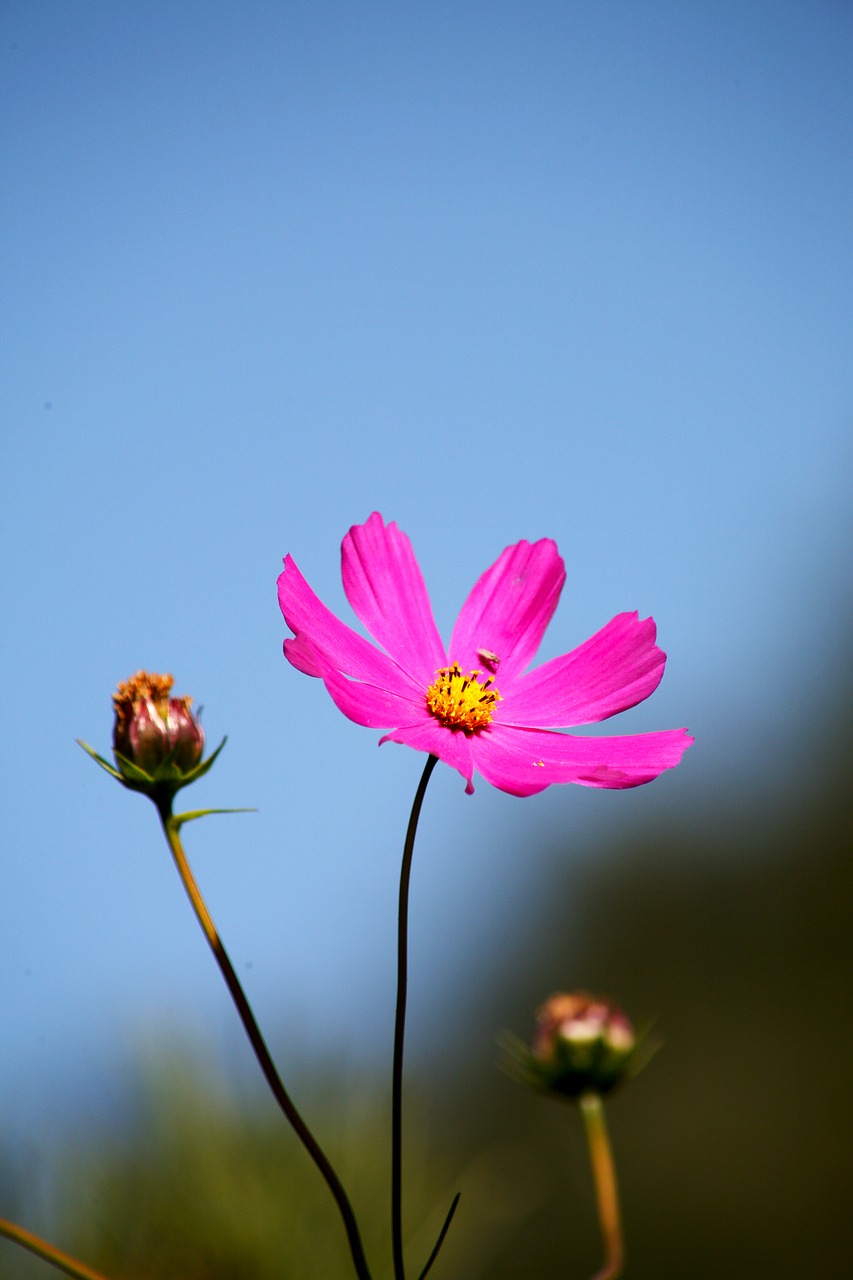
(152, 729)
(157, 741)
(582, 1044)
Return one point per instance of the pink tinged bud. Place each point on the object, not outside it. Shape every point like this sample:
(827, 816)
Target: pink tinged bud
(186, 736)
(582, 1043)
(157, 741)
(151, 729)
(141, 736)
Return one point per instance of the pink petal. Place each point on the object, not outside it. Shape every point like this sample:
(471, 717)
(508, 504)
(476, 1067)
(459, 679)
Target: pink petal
(375, 708)
(523, 761)
(321, 634)
(385, 587)
(508, 610)
(615, 669)
(300, 653)
(454, 748)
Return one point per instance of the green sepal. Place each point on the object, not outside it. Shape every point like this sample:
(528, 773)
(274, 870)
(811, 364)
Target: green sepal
(98, 759)
(130, 772)
(573, 1073)
(203, 765)
(178, 819)
(646, 1048)
(519, 1063)
(167, 777)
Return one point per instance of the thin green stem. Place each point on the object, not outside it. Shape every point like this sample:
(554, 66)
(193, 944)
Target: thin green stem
(48, 1252)
(400, 1027)
(606, 1192)
(171, 827)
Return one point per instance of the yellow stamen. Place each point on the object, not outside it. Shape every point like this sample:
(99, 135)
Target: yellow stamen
(143, 685)
(462, 702)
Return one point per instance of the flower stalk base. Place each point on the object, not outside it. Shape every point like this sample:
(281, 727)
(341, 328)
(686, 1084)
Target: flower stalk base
(606, 1192)
(171, 827)
(48, 1252)
(400, 1031)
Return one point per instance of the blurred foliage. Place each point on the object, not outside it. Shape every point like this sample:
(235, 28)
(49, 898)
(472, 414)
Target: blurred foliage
(202, 1180)
(733, 930)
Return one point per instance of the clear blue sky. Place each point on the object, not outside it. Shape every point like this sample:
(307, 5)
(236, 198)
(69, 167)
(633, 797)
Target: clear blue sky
(504, 270)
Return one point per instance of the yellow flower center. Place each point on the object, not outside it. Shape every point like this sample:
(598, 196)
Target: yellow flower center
(462, 702)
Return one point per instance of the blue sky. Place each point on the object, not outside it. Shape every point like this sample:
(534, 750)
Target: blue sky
(575, 270)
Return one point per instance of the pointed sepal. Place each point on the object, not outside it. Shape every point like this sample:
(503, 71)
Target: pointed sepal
(99, 759)
(180, 818)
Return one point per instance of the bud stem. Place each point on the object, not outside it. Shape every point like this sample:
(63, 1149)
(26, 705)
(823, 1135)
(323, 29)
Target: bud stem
(171, 828)
(604, 1177)
(47, 1252)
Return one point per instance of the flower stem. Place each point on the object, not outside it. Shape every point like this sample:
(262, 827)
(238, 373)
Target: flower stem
(400, 1027)
(41, 1248)
(606, 1193)
(171, 828)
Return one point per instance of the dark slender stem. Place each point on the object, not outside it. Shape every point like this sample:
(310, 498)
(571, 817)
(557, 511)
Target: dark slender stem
(400, 1027)
(171, 827)
(442, 1233)
(48, 1252)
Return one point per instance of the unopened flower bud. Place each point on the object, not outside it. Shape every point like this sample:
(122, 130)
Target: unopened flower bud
(157, 741)
(152, 728)
(582, 1044)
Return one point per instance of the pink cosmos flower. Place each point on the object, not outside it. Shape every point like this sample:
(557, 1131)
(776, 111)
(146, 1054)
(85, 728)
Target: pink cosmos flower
(475, 705)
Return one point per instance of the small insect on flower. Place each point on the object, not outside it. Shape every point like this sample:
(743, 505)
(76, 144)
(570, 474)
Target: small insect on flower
(489, 659)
